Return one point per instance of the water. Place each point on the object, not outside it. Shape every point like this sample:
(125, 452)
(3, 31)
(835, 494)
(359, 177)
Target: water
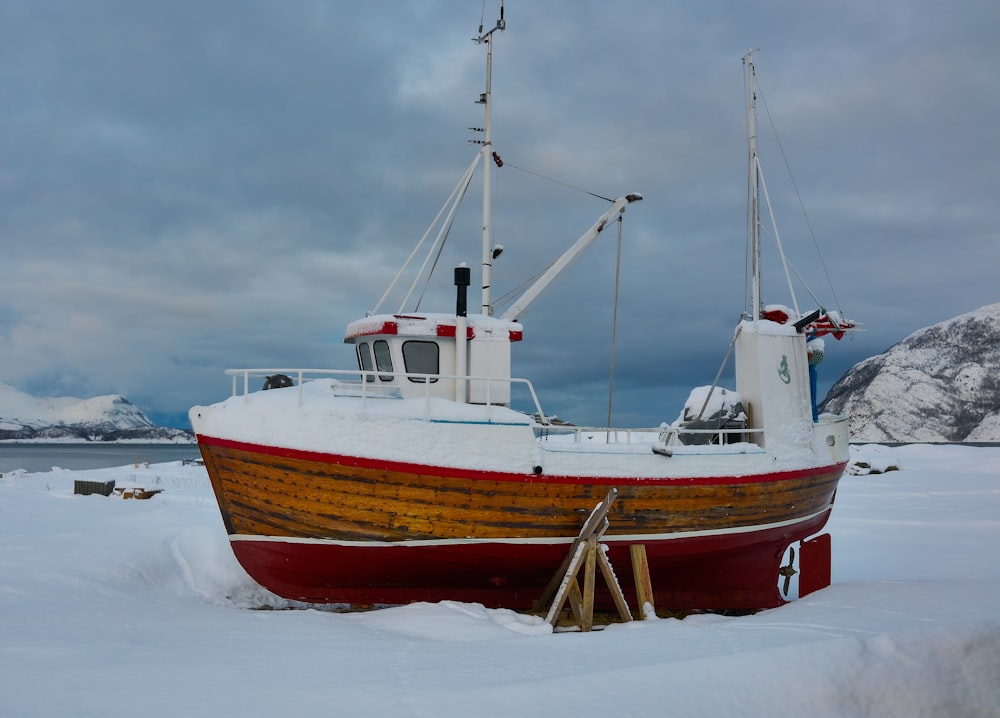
(42, 457)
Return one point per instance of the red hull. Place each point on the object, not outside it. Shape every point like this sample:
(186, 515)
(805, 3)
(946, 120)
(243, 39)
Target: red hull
(325, 528)
(731, 571)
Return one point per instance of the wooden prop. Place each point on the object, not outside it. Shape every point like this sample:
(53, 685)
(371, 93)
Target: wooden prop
(643, 583)
(586, 552)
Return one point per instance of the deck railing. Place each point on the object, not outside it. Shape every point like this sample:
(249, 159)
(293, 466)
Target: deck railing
(367, 388)
(663, 434)
(363, 385)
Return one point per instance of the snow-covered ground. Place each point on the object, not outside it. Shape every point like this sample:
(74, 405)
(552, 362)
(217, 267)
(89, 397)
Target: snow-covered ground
(112, 607)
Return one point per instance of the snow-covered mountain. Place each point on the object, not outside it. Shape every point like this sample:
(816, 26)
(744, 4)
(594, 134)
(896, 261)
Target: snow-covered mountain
(941, 383)
(104, 418)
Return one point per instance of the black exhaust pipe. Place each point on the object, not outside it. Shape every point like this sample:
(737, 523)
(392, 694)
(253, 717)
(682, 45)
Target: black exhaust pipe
(463, 277)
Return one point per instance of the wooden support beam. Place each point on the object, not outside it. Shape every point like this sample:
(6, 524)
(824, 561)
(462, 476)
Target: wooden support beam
(597, 522)
(568, 579)
(643, 583)
(586, 552)
(589, 576)
(612, 581)
(575, 601)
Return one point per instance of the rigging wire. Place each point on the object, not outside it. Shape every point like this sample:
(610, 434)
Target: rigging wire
(558, 182)
(798, 196)
(457, 195)
(718, 374)
(437, 247)
(441, 241)
(450, 202)
(430, 273)
(777, 239)
(795, 271)
(510, 295)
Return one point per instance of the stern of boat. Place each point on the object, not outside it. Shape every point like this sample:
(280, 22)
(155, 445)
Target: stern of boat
(831, 439)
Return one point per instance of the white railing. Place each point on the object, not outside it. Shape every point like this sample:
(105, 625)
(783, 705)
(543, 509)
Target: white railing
(665, 435)
(593, 434)
(364, 381)
(366, 387)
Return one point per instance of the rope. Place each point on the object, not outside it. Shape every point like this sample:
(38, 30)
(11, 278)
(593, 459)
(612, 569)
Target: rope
(558, 182)
(796, 272)
(434, 265)
(718, 375)
(516, 291)
(458, 191)
(457, 194)
(511, 295)
(802, 206)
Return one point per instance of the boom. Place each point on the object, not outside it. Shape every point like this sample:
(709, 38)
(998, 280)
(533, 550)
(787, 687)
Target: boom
(531, 293)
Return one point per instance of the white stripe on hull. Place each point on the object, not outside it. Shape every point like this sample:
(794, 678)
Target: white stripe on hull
(608, 538)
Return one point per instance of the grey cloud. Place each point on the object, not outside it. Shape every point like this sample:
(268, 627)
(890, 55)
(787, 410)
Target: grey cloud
(189, 186)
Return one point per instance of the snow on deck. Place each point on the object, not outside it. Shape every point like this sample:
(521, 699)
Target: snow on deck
(320, 418)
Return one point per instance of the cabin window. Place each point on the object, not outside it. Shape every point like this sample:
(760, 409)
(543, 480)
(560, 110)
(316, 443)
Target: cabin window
(365, 360)
(383, 360)
(421, 358)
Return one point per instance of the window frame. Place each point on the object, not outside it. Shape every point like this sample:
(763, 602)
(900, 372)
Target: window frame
(365, 361)
(383, 359)
(419, 359)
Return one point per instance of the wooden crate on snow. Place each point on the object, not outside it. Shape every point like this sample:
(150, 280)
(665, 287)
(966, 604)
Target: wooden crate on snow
(104, 488)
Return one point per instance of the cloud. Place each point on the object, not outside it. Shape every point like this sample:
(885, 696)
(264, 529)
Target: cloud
(187, 186)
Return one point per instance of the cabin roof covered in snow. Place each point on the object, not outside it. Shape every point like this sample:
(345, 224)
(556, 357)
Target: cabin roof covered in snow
(433, 324)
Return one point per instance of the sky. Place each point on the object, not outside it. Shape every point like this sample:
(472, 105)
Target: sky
(120, 608)
(190, 186)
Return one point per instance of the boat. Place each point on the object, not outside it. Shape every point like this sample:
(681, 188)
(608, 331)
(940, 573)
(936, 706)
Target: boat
(427, 472)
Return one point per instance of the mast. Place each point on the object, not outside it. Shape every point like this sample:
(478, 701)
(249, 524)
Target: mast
(753, 169)
(486, 151)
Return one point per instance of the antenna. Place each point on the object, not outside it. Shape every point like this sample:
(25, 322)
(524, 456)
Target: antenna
(501, 25)
(486, 151)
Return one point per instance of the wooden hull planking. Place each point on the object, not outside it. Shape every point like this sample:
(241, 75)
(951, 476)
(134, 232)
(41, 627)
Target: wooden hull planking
(330, 529)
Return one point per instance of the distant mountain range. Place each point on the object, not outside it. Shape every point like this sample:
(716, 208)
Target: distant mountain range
(101, 419)
(941, 383)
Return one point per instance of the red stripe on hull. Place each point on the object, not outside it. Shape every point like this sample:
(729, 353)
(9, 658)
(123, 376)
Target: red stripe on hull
(324, 528)
(473, 474)
(723, 571)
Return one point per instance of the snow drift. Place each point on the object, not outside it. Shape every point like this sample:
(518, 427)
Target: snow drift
(121, 608)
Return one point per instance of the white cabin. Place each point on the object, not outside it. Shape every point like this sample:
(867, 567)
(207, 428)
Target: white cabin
(406, 351)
